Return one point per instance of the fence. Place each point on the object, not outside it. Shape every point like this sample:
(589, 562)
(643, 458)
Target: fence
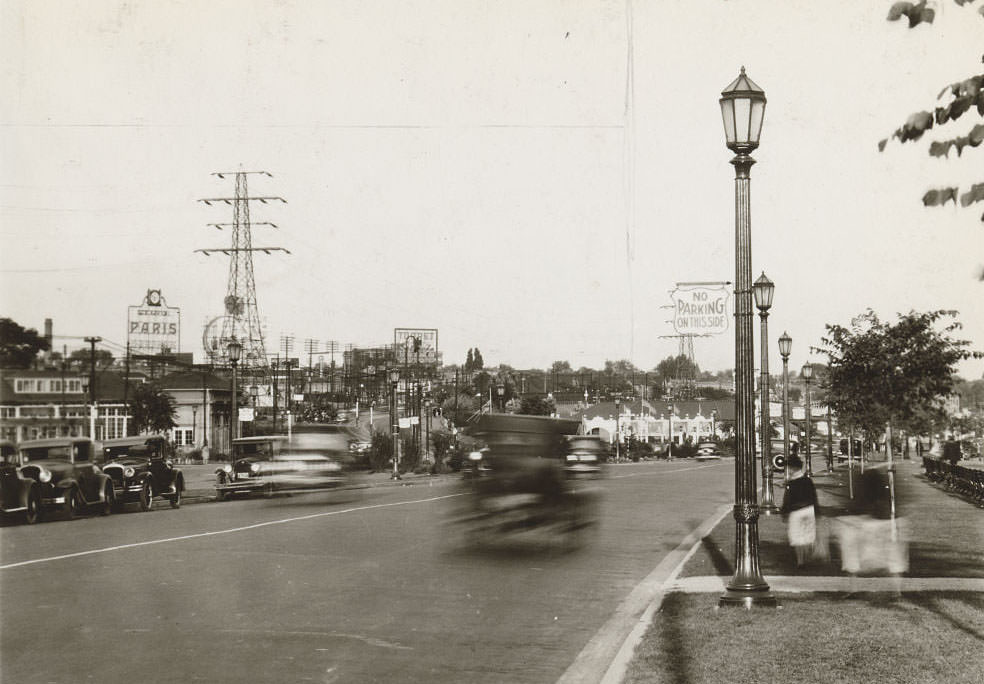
(966, 481)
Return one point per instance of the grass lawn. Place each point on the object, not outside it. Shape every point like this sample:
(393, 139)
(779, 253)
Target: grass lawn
(919, 638)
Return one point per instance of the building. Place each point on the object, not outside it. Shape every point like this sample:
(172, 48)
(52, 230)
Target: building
(660, 421)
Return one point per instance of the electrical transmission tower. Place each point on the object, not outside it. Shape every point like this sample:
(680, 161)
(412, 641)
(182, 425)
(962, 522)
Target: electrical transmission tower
(685, 382)
(241, 318)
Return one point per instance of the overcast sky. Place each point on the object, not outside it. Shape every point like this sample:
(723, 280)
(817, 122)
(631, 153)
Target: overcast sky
(530, 178)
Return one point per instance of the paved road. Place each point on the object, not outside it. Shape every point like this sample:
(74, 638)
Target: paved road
(355, 586)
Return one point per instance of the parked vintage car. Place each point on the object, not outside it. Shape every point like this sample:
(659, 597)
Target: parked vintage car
(19, 496)
(67, 475)
(141, 469)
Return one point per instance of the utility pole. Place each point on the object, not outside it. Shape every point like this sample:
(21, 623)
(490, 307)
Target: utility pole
(242, 318)
(92, 384)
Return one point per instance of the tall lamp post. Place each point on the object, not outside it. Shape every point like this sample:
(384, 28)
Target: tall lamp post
(618, 416)
(235, 353)
(254, 393)
(501, 389)
(807, 374)
(763, 290)
(394, 379)
(785, 346)
(742, 109)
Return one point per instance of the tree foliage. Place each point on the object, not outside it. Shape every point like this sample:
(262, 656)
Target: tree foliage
(954, 101)
(152, 408)
(18, 345)
(82, 358)
(892, 373)
(561, 367)
(537, 406)
(677, 366)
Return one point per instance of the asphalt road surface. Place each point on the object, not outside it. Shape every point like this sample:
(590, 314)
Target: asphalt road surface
(369, 585)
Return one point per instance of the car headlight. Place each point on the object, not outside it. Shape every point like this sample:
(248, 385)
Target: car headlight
(571, 457)
(475, 456)
(588, 457)
(44, 475)
(227, 468)
(254, 467)
(128, 472)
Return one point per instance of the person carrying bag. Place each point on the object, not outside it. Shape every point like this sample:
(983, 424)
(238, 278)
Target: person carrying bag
(801, 512)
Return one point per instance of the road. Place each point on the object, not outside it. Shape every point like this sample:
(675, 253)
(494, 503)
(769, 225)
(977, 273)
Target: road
(350, 586)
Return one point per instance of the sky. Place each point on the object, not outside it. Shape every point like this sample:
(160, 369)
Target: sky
(530, 179)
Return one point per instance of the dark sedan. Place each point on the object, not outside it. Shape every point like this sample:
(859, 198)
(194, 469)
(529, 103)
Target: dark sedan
(66, 473)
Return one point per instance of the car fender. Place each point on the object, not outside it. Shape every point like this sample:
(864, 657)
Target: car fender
(102, 486)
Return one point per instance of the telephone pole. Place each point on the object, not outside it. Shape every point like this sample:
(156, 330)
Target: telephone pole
(92, 384)
(242, 319)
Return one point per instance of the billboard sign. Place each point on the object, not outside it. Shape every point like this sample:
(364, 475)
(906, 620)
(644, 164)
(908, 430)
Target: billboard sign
(416, 345)
(700, 308)
(153, 327)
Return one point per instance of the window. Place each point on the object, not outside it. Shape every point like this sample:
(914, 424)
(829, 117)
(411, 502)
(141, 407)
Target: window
(24, 385)
(183, 437)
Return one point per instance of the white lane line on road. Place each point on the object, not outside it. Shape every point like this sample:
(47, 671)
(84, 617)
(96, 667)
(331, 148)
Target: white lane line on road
(606, 656)
(664, 472)
(228, 531)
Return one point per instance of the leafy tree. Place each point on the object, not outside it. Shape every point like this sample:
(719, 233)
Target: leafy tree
(892, 374)
(82, 358)
(536, 406)
(152, 408)
(954, 100)
(18, 345)
(561, 367)
(479, 362)
(470, 361)
(677, 366)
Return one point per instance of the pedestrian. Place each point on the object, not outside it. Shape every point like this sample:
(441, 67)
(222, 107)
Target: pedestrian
(800, 510)
(951, 450)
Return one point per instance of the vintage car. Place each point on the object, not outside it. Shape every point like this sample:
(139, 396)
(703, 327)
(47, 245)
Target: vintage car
(708, 451)
(141, 469)
(67, 475)
(312, 458)
(19, 496)
(242, 475)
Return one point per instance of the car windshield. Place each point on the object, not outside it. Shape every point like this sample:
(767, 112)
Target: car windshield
(263, 450)
(41, 453)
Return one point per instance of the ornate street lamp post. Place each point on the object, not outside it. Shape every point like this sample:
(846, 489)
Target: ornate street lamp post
(394, 379)
(501, 390)
(618, 448)
(785, 346)
(763, 290)
(807, 374)
(254, 394)
(742, 109)
(235, 353)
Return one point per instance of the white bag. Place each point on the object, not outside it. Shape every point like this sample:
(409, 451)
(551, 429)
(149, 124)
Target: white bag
(802, 527)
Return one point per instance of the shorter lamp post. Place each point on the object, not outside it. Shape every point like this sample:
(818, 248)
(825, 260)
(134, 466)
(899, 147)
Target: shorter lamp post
(394, 379)
(763, 290)
(807, 374)
(618, 411)
(194, 426)
(254, 393)
(235, 349)
(785, 346)
(501, 389)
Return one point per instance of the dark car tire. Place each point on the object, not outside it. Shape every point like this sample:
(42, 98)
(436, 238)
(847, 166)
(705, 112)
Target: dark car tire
(71, 505)
(33, 512)
(146, 497)
(109, 500)
(176, 497)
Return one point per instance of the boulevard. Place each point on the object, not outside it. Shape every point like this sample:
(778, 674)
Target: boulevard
(366, 585)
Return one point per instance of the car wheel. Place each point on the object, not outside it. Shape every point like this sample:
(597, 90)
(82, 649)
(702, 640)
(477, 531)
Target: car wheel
(176, 497)
(33, 512)
(146, 497)
(109, 500)
(71, 505)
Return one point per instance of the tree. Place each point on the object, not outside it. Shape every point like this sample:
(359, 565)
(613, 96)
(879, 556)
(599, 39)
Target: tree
(82, 358)
(479, 362)
(892, 374)
(152, 408)
(469, 361)
(18, 345)
(677, 366)
(561, 367)
(957, 99)
(536, 406)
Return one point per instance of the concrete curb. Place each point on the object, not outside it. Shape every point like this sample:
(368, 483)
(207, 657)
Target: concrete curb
(797, 585)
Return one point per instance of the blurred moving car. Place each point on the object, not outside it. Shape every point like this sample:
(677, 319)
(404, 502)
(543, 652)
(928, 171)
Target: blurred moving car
(307, 462)
(67, 475)
(242, 476)
(19, 496)
(141, 469)
(708, 451)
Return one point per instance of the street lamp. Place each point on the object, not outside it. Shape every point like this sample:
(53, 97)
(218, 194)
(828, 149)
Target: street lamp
(763, 290)
(807, 374)
(618, 411)
(501, 390)
(394, 378)
(254, 393)
(235, 349)
(742, 110)
(785, 346)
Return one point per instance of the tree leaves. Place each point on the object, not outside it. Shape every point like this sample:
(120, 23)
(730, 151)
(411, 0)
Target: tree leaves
(917, 13)
(941, 148)
(936, 198)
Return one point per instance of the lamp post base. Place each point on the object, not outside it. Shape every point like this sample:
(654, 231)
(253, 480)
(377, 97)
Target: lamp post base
(748, 598)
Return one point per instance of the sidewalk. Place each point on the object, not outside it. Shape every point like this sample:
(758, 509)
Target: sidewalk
(829, 628)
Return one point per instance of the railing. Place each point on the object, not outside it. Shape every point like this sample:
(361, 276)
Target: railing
(968, 482)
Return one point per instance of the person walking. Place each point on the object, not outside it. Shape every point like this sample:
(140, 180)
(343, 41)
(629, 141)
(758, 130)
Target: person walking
(800, 510)
(951, 450)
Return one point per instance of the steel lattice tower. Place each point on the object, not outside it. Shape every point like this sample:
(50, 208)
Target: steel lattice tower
(241, 317)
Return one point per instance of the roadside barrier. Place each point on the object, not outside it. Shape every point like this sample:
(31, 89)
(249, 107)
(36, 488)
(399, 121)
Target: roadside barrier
(968, 482)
